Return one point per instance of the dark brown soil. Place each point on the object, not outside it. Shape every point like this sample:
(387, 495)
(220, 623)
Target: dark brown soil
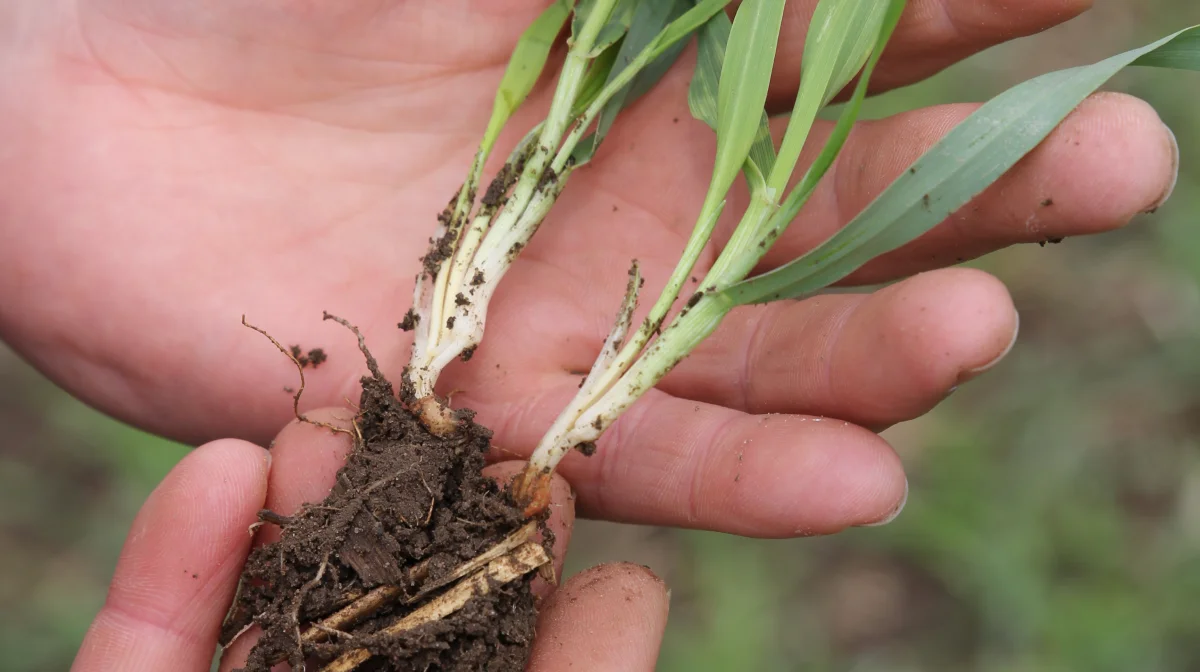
(408, 507)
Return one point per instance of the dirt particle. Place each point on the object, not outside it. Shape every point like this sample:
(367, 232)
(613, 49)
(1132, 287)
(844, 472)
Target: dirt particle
(313, 358)
(588, 448)
(410, 321)
(461, 300)
(450, 322)
(548, 178)
(1047, 202)
(468, 353)
(694, 300)
(500, 186)
(477, 279)
(440, 249)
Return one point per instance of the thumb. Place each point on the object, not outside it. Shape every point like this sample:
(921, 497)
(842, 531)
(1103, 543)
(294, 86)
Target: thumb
(180, 565)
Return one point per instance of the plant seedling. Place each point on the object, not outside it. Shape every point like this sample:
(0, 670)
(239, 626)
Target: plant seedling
(418, 561)
(415, 558)
(728, 92)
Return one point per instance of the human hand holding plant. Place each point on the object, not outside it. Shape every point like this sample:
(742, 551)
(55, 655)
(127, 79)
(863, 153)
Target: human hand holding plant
(381, 536)
(180, 566)
(173, 166)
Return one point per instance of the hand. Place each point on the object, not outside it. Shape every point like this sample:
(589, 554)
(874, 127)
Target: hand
(180, 566)
(174, 164)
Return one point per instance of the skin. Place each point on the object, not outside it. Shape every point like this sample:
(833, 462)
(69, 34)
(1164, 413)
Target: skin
(180, 565)
(169, 166)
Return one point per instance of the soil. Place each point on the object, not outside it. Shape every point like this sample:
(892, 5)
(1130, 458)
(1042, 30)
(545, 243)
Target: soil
(407, 509)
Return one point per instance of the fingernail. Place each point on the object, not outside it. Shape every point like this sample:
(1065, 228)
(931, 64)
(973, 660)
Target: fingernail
(895, 512)
(971, 373)
(1174, 173)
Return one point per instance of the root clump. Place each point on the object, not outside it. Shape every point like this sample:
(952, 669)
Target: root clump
(365, 576)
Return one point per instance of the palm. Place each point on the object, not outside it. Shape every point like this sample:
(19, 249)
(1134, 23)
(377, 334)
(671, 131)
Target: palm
(279, 159)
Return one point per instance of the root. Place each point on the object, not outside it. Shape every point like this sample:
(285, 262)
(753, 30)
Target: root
(300, 370)
(370, 604)
(298, 602)
(372, 363)
(269, 516)
(505, 569)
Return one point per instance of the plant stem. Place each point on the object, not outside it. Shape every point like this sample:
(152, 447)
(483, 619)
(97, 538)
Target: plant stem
(442, 335)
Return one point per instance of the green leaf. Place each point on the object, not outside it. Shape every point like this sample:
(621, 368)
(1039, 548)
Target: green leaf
(702, 92)
(969, 159)
(524, 67)
(742, 89)
(594, 81)
(690, 21)
(669, 39)
(840, 38)
(583, 9)
(619, 23)
(845, 123)
(649, 19)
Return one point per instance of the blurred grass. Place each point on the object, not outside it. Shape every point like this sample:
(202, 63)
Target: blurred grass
(1054, 518)
(71, 481)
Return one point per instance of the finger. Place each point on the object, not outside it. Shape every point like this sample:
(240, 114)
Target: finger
(932, 35)
(1108, 161)
(872, 359)
(670, 461)
(306, 458)
(609, 618)
(180, 565)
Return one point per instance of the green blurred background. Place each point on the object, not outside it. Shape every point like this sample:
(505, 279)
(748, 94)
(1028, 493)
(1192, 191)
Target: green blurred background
(1054, 519)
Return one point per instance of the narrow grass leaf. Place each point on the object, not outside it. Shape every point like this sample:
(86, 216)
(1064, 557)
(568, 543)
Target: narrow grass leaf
(689, 22)
(840, 38)
(583, 9)
(525, 66)
(594, 81)
(648, 20)
(961, 166)
(619, 23)
(742, 89)
(712, 38)
(845, 124)
(670, 38)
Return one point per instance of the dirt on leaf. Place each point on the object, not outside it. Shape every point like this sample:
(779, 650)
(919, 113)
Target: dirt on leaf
(408, 507)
